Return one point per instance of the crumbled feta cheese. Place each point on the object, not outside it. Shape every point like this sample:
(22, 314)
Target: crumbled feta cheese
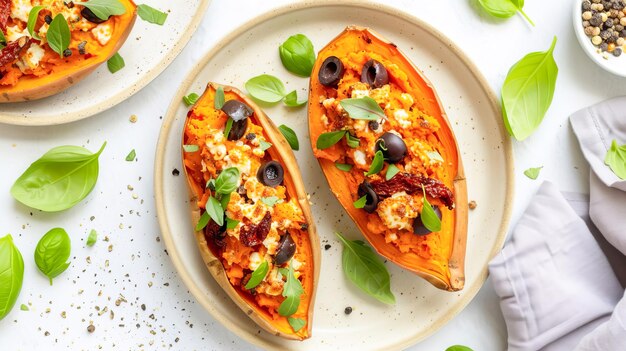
(33, 55)
(359, 157)
(14, 33)
(328, 103)
(357, 94)
(324, 119)
(406, 100)
(255, 261)
(402, 117)
(20, 9)
(296, 264)
(398, 211)
(102, 33)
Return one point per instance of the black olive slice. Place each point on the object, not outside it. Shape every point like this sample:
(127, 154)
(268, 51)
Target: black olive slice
(374, 74)
(331, 72)
(270, 173)
(418, 226)
(237, 110)
(371, 203)
(238, 129)
(392, 146)
(91, 17)
(286, 249)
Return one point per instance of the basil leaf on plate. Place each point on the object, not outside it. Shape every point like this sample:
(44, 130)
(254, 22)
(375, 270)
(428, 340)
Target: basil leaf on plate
(363, 108)
(360, 203)
(392, 170)
(116, 63)
(60, 179)
(326, 140)
(131, 155)
(150, 14)
(343, 167)
(458, 348)
(32, 21)
(291, 100)
(298, 55)
(428, 216)
(377, 163)
(52, 253)
(92, 238)
(291, 291)
(533, 173)
(296, 323)
(220, 99)
(616, 159)
(264, 145)
(266, 88)
(527, 92)
(58, 35)
(366, 270)
(24, 308)
(227, 181)
(504, 8)
(191, 148)
(257, 276)
(103, 9)
(291, 137)
(191, 99)
(11, 274)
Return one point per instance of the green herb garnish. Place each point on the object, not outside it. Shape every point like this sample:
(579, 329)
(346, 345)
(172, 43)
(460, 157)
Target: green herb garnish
(291, 137)
(343, 167)
(291, 100)
(103, 9)
(191, 99)
(270, 201)
(24, 308)
(360, 203)
(231, 223)
(59, 35)
(191, 148)
(220, 98)
(215, 211)
(377, 163)
(264, 145)
(257, 276)
(296, 323)
(266, 88)
(363, 108)
(352, 141)
(131, 155)
(150, 14)
(116, 63)
(52, 253)
(504, 8)
(12, 277)
(298, 55)
(458, 348)
(92, 238)
(533, 173)
(392, 170)
(228, 127)
(203, 221)
(428, 216)
(32, 21)
(616, 159)
(326, 140)
(227, 181)
(291, 291)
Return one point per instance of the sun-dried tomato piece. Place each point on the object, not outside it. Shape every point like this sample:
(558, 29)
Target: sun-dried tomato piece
(216, 233)
(412, 184)
(254, 234)
(12, 51)
(5, 12)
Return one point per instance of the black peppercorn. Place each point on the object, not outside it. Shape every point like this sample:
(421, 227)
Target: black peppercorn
(67, 53)
(348, 310)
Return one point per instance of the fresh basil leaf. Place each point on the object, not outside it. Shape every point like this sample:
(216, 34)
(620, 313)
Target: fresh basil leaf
(360, 203)
(131, 155)
(220, 98)
(434, 155)
(291, 291)
(392, 170)
(59, 35)
(227, 181)
(616, 159)
(60, 179)
(352, 141)
(32, 21)
(296, 323)
(428, 216)
(11, 274)
(52, 253)
(363, 108)
(366, 270)
(271, 200)
(215, 211)
(533, 173)
(191, 99)
(343, 166)
(291, 100)
(231, 223)
(24, 308)
(266, 88)
(3, 40)
(458, 348)
(103, 9)
(377, 163)
(257, 276)
(210, 184)
(116, 63)
(150, 14)
(203, 221)
(224, 200)
(92, 238)
(264, 145)
(504, 8)
(298, 55)
(326, 140)
(289, 306)
(191, 148)
(528, 91)
(291, 137)
(228, 127)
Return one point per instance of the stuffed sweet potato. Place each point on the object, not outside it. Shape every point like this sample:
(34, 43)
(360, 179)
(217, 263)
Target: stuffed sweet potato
(253, 222)
(33, 65)
(382, 139)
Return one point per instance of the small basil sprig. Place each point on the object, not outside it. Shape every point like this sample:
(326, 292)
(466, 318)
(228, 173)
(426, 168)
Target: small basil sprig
(504, 8)
(343, 167)
(533, 173)
(352, 141)
(92, 238)
(392, 170)
(326, 140)
(366, 270)
(3, 40)
(220, 98)
(116, 63)
(215, 210)
(32, 21)
(228, 127)
(291, 100)
(257, 276)
(191, 148)
(360, 203)
(103, 9)
(131, 155)
(267, 88)
(150, 14)
(296, 323)
(227, 181)
(191, 99)
(298, 55)
(428, 216)
(458, 348)
(527, 92)
(264, 145)
(291, 291)
(616, 159)
(60, 179)
(225, 184)
(363, 108)
(59, 35)
(270, 200)
(11, 274)
(291, 137)
(231, 223)
(52, 253)
(377, 163)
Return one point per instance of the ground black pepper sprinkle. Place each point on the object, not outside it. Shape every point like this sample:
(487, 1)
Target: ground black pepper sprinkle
(175, 172)
(348, 310)
(327, 246)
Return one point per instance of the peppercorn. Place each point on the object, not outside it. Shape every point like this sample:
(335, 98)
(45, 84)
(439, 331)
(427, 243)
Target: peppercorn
(586, 5)
(587, 15)
(347, 310)
(617, 52)
(48, 19)
(81, 47)
(604, 46)
(608, 23)
(250, 136)
(596, 20)
(67, 53)
(373, 125)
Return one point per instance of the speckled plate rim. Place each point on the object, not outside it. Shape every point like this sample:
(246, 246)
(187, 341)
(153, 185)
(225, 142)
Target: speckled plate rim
(170, 116)
(126, 93)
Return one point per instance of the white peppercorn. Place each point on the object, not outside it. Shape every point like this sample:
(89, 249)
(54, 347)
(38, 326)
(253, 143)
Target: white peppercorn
(596, 40)
(587, 15)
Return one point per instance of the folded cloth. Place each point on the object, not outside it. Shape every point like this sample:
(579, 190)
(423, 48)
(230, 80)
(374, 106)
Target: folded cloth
(554, 282)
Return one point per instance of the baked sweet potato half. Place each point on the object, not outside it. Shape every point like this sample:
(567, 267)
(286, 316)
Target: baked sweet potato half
(253, 222)
(382, 139)
(30, 69)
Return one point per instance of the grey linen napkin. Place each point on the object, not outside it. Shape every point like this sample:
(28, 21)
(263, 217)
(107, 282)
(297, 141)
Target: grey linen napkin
(557, 284)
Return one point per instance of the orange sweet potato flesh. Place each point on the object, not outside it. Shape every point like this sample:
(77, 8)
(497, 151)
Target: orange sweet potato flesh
(64, 72)
(443, 266)
(204, 115)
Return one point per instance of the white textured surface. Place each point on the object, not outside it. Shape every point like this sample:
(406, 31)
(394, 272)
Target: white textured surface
(493, 45)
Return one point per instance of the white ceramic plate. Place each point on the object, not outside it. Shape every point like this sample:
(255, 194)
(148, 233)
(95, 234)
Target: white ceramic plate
(615, 65)
(471, 106)
(150, 48)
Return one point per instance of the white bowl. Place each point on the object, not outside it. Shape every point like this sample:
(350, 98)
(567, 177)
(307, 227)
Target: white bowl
(615, 65)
